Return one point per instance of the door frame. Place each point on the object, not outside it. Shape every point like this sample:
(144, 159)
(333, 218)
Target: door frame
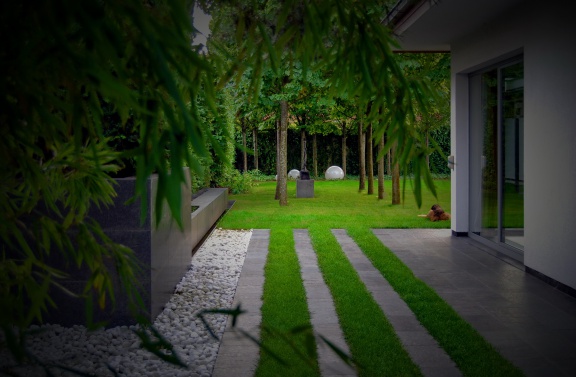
(498, 245)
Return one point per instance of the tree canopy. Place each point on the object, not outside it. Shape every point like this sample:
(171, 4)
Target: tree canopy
(67, 63)
(66, 66)
(347, 41)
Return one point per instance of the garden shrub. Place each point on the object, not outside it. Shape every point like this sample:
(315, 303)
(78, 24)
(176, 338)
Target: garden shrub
(238, 183)
(216, 170)
(259, 176)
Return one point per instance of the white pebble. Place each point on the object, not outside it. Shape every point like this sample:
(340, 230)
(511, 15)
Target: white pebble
(210, 282)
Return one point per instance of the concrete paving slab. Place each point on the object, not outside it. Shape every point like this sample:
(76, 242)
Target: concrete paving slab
(323, 314)
(403, 320)
(513, 310)
(238, 357)
(528, 321)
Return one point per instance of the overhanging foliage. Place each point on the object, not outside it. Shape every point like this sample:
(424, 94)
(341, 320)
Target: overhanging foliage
(65, 65)
(65, 62)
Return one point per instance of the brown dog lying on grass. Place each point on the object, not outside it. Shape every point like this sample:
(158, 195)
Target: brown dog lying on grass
(436, 213)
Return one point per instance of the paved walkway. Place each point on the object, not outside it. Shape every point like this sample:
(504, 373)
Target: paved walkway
(531, 323)
(322, 312)
(528, 321)
(238, 355)
(420, 345)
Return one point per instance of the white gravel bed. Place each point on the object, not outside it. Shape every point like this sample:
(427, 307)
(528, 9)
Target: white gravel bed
(209, 283)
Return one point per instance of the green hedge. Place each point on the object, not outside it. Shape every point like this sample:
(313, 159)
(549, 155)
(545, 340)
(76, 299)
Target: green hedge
(329, 152)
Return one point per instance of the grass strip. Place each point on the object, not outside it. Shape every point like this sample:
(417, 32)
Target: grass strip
(371, 338)
(473, 355)
(285, 317)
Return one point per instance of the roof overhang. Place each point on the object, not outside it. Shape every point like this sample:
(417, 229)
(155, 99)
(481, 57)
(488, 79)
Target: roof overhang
(433, 25)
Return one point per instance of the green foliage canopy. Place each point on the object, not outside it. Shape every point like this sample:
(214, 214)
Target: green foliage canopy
(347, 40)
(65, 65)
(66, 62)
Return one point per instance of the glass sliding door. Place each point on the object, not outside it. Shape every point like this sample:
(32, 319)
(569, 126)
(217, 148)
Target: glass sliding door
(489, 158)
(513, 155)
(496, 155)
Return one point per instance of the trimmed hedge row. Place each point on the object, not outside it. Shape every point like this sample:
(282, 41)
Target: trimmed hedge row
(329, 152)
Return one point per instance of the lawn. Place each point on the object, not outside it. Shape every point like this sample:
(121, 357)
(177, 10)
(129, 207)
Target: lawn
(339, 205)
(336, 204)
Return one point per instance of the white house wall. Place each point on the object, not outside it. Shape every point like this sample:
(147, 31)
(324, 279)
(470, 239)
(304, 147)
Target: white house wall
(544, 33)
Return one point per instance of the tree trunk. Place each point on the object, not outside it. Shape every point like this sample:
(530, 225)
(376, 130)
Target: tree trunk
(334, 146)
(282, 174)
(344, 148)
(244, 153)
(277, 195)
(363, 159)
(255, 141)
(315, 156)
(381, 169)
(362, 156)
(395, 177)
(389, 160)
(303, 149)
(370, 160)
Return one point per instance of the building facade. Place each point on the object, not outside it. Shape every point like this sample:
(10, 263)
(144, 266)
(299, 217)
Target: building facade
(513, 123)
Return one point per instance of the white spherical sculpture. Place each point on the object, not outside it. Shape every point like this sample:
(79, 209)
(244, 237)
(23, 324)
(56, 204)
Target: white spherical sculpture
(334, 172)
(294, 174)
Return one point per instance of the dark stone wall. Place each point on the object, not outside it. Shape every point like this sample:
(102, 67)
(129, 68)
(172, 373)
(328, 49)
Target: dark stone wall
(170, 249)
(163, 252)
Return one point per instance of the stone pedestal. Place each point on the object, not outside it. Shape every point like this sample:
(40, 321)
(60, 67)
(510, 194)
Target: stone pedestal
(305, 188)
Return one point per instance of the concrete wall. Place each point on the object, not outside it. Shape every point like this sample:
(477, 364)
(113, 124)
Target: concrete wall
(164, 254)
(211, 205)
(170, 247)
(544, 33)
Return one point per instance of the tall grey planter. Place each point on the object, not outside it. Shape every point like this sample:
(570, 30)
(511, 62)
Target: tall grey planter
(164, 254)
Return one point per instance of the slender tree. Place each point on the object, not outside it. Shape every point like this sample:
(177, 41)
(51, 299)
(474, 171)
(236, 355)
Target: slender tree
(243, 127)
(248, 118)
(370, 159)
(278, 160)
(361, 157)
(344, 147)
(343, 114)
(395, 175)
(389, 161)
(381, 154)
(315, 155)
(255, 146)
(310, 105)
(283, 166)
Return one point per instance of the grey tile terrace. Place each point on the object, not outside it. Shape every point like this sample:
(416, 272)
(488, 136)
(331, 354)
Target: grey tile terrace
(531, 323)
